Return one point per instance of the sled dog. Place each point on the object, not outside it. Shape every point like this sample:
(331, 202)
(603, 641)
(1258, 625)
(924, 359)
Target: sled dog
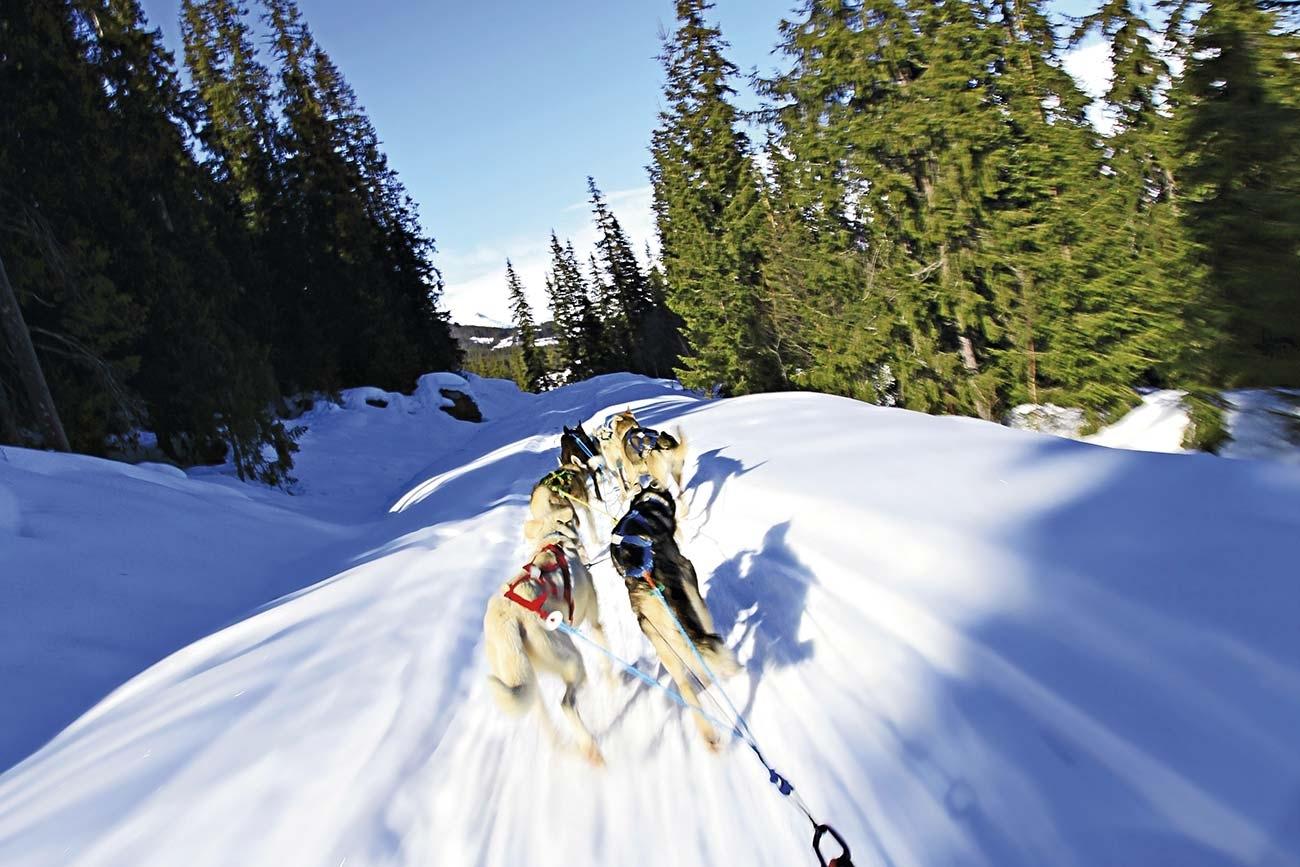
(579, 450)
(519, 644)
(643, 547)
(635, 453)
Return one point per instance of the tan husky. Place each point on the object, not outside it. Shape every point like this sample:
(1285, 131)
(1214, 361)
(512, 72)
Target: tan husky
(518, 627)
(636, 454)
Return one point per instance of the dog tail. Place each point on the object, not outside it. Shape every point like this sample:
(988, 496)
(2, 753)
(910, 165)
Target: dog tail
(512, 681)
(679, 456)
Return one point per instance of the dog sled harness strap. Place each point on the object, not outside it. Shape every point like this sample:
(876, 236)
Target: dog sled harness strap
(641, 440)
(644, 569)
(650, 681)
(547, 584)
(558, 480)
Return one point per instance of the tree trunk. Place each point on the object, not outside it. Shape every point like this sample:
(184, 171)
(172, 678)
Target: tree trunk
(982, 405)
(28, 366)
(8, 420)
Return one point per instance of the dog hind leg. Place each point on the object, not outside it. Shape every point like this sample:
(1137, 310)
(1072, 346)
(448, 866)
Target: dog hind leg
(512, 681)
(672, 654)
(562, 657)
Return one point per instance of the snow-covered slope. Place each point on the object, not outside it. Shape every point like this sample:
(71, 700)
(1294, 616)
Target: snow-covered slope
(964, 644)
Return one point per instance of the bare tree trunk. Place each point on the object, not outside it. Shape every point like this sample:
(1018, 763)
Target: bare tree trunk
(8, 420)
(982, 405)
(28, 365)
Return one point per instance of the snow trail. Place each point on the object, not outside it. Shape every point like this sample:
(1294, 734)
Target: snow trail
(963, 644)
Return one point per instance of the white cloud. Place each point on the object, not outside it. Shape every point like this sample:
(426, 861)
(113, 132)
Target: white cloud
(475, 280)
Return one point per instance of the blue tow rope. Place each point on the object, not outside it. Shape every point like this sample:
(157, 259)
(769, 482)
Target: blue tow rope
(647, 679)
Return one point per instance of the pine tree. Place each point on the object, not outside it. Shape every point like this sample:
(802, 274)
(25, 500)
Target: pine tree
(347, 230)
(534, 362)
(53, 223)
(639, 324)
(206, 386)
(849, 319)
(709, 213)
(1240, 184)
(234, 90)
(1134, 318)
(577, 326)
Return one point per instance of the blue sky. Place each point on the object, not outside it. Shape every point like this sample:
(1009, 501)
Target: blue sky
(495, 113)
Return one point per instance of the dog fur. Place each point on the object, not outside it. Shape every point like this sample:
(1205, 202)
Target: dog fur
(561, 493)
(518, 646)
(664, 460)
(578, 449)
(652, 515)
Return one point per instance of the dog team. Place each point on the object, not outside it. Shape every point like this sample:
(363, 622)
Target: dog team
(555, 585)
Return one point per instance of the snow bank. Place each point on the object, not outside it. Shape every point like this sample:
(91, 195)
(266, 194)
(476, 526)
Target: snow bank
(1264, 424)
(1157, 425)
(964, 644)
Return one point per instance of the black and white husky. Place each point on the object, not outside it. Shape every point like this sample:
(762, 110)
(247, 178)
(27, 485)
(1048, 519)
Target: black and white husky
(643, 548)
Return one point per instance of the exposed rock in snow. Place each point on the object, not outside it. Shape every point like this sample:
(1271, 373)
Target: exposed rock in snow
(1048, 418)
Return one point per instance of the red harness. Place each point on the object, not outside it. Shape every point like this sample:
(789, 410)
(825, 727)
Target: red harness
(545, 582)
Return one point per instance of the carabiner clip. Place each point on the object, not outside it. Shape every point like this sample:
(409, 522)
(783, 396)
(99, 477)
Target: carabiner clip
(842, 860)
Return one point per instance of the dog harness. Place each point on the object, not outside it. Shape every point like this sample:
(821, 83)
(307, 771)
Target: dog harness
(643, 545)
(593, 460)
(641, 440)
(559, 481)
(547, 587)
(645, 548)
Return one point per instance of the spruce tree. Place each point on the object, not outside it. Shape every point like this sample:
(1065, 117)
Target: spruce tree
(534, 363)
(55, 226)
(709, 214)
(848, 318)
(577, 327)
(1136, 315)
(1240, 184)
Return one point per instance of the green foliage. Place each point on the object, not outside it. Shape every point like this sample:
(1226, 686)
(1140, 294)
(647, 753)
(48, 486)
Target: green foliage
(1239, 138)
(179, 290)
(711, 217)
(533, 361)
(1205, 430)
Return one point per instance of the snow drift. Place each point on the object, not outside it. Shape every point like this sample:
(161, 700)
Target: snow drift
(963, 644)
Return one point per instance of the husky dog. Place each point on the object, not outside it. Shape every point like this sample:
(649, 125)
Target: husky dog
(643, 548)
(637, 452)
(578, 449)
(515, 629)
(559, 492)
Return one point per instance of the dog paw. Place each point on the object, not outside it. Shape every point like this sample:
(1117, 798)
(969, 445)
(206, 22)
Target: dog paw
(713, 742)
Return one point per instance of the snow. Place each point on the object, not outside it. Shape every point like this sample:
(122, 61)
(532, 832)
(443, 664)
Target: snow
(1264, 424)
(481, 320)
(1157, 425)
(963, 644)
